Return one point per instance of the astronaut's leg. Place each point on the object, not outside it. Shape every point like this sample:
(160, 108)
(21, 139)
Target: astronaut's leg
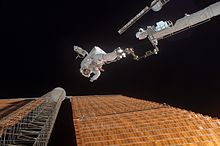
(116, 54)
(109, 56)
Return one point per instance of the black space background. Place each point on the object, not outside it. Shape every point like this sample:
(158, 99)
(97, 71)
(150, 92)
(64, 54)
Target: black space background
(37, 55)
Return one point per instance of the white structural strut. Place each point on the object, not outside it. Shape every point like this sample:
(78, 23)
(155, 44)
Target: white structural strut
(156, 5)
(166, 28)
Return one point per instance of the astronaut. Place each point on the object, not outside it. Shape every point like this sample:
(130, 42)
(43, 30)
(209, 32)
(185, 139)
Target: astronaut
(95, 59)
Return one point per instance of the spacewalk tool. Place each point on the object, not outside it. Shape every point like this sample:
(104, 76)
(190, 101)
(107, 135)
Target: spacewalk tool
(81, 53)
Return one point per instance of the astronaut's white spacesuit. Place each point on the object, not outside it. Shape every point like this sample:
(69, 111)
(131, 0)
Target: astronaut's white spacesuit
(93, 61)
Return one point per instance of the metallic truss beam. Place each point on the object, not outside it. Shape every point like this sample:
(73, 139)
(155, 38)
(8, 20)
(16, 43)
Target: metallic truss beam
(32, 124)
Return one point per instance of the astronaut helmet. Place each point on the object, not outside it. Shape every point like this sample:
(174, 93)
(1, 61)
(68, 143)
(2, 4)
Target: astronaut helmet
(85, 72)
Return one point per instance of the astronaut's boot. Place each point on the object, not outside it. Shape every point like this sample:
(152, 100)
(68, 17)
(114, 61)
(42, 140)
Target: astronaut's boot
(156, 50)
(120, 53)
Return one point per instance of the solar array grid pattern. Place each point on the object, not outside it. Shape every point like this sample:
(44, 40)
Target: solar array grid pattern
(120, 120)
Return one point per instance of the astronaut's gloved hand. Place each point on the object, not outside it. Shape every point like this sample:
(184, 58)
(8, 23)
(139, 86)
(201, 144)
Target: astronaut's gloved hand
(91, 80)
(120, 53)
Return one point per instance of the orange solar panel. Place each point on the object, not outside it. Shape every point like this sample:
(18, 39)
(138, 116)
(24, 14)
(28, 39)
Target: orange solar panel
(121, 120)
(9, 105)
